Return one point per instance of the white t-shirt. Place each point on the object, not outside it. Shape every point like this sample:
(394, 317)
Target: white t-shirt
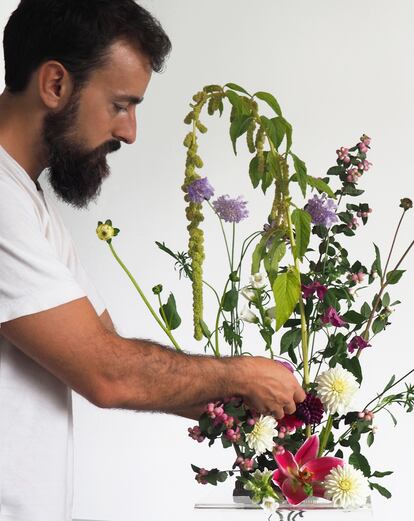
(39, 270)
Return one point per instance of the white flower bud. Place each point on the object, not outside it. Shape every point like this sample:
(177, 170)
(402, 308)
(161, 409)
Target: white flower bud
(248, 293)
(248, 316)
(258, 280)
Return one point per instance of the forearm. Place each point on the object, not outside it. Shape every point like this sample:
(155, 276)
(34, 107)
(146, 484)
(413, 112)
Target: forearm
(143, 375)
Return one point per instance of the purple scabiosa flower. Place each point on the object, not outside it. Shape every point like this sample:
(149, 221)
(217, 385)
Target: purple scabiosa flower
(310, 410)
(322, 210)
(357, 343)
(309, 290)
(331, 317)
(199, 190)
(231, 210)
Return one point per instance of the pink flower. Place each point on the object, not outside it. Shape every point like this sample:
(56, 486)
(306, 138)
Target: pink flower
(331, 316)
(357, 343)
(298, 475)
(363, 148)
(289, 423)
(317, 287)
(343, 155)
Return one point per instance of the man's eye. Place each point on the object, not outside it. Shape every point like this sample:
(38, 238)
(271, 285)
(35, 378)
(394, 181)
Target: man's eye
(120, 108)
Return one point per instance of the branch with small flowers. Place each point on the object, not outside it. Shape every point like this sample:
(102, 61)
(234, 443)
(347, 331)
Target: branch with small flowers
(303, 296)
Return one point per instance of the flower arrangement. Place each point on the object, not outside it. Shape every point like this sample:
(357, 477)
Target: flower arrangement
(302, 282)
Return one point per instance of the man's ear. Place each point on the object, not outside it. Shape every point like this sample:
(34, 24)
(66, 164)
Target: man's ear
(55, 85)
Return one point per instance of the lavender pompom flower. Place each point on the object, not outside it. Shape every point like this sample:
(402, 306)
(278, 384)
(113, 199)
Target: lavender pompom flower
(231, 210)
(322, 211)
(199, 190)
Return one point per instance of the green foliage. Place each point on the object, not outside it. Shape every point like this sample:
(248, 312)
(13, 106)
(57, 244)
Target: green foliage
(302, 222)
(301, 172)
(360, 462)
(393, 277)
(170, 314)
(286, 291)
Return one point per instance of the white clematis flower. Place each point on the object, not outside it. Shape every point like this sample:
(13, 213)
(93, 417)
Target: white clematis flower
(248, 293)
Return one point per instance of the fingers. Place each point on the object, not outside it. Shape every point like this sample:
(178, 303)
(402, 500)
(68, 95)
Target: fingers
(299, 395)
(290, 408)
(278, 413)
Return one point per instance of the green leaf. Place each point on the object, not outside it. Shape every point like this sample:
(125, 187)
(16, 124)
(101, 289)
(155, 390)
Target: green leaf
(230, 300)
(288, 128)
(353, 317)
(353, 366)
(286, 291)
(389, 384)
(382, 490)
(290, 339)
(386, 300)
(370, 439)
(365, 310)
(321, 186)
(235, 100)
(280, 129)
(258, 254)
(352, 191)
(378, 325)
(169, 310)
(378, 474)
(335, 170)
(270, 100)
(302, 222)
(255, 175)
(234, 86)
(360, 462)
(394, 276)
(273, 258)
(205, 330)
(377, 262)
(238, 127)
(301, 172)
(270, 130)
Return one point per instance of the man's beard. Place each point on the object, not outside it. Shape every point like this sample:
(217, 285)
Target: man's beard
(75, 173)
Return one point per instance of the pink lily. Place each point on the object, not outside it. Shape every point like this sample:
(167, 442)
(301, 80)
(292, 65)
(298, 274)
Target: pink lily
(303, 473)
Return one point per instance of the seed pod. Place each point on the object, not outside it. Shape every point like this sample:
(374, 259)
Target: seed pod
(202, 128)
(188, 141)
(198, 161)
(212, 88)
(250, 137)
(189, 118)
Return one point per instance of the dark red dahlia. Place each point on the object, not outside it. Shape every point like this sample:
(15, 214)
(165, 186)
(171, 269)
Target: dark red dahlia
(311, 410)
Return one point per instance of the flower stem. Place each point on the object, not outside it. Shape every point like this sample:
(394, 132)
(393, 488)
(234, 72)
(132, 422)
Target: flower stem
(134, 282)
(304, 329)
(326, 432)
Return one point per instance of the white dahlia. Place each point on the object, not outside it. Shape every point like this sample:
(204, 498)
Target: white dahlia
(261, 438)
(346, 487)
(336, 388)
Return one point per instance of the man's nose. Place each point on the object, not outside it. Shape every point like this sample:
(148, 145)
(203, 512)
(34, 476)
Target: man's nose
(126, 130)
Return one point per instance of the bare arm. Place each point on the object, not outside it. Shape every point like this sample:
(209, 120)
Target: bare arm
(113, 372)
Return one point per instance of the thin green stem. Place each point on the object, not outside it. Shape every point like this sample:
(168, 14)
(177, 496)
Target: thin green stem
(134, 282)
(326, 432)
(224, 233)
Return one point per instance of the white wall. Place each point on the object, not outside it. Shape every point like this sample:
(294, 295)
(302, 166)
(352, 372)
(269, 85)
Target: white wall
(338, 69)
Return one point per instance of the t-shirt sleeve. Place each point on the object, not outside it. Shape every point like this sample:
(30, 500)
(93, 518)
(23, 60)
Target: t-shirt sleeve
(32, 277)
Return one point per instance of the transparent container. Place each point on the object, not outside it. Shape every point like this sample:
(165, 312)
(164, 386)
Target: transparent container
(218, 504)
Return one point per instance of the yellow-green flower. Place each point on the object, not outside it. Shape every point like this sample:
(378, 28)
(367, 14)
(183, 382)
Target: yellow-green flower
(105, 231)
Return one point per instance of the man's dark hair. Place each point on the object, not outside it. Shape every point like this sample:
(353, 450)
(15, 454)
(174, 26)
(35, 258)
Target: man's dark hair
(78, 34)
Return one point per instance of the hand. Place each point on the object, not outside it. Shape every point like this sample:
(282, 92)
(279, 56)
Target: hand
(269, 387)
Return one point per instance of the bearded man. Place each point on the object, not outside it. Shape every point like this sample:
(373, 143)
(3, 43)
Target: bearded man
(75, 72)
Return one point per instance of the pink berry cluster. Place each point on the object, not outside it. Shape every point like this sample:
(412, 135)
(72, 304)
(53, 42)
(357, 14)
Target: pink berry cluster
(196, 434)
(366, 415)
(244, 464)
(201, 476)
(355, 166)
(215, 411)
(356, 277)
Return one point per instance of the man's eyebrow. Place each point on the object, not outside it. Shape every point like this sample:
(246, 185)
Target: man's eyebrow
(134, 100)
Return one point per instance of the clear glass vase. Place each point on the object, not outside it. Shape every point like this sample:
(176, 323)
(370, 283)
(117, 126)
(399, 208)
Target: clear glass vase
(219, 504)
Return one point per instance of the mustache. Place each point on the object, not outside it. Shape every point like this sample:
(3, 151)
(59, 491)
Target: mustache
(109, 147)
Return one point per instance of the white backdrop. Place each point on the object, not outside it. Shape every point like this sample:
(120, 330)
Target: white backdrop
(338, 69)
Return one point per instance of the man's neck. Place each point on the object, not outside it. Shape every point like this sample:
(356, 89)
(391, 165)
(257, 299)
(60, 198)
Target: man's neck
(20, 133)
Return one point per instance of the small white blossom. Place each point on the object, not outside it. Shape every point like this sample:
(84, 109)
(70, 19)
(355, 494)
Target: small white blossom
(261, 438)
(258, 280)
(269, 504)
(248, 293)
(271, 312)
(336, 388)
(248, 316)
(346, 487)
